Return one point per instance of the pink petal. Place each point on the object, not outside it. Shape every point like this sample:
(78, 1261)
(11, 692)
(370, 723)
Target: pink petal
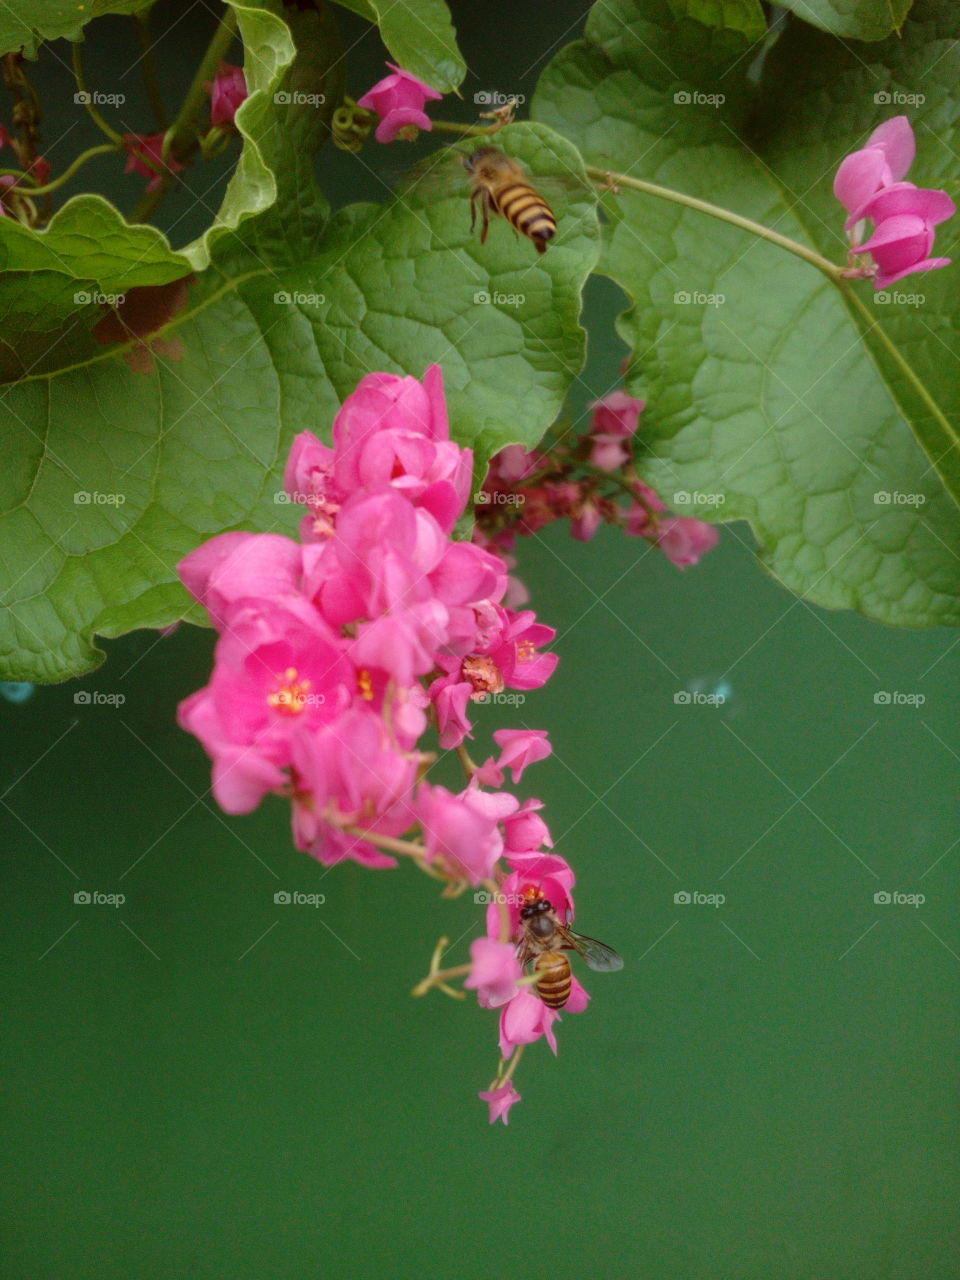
(895, 138)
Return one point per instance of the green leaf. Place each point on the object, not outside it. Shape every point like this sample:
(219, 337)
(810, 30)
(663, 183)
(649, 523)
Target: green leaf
(25, 24)
(420, 37)
(763, 392)
(853, 19)
(169, 457)
(745, 16)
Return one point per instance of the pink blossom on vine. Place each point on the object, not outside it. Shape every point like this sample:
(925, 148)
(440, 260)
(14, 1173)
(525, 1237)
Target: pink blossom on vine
(494, 973)
(227, 90)
(145, 156)
(683, 539)
(884, 160)
(520, 748)
(501, 1100)
(905, 217)
(399, 100)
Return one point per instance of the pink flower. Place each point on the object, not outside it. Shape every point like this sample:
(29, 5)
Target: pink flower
(458, 831)
(524, 1019)
(399, 101)
(547, 873)
(526, 830)
(905, 218)
(241, 566)
(501, 1100)
(495, 972)
(616, 415)
(278, 673)
(684, 540)
(589, 519)
(227, 90)
(882, 162)
(520, 748)
(144, 156)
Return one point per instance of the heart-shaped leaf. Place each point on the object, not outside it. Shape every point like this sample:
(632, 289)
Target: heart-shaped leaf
(420, 36)
(127, 458)
(771, 396)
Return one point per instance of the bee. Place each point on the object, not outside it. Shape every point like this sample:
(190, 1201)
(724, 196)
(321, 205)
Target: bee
(499, 185)
(544, 938)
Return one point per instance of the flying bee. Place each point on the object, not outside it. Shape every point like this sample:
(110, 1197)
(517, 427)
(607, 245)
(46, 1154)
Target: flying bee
(499, 185)
(544, 938)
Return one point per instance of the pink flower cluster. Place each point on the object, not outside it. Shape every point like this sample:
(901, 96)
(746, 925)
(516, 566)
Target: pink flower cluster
(525, 491)
(334, 651)
(399, 100)
(869, 184)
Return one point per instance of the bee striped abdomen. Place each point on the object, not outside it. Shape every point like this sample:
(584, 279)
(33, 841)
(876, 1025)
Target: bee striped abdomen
(528, 212)
(553, 978)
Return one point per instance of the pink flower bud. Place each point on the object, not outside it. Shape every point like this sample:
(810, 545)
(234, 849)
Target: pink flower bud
(399, 101)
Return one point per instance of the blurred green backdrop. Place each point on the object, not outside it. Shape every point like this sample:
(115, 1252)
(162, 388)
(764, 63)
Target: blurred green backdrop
(203, 1083)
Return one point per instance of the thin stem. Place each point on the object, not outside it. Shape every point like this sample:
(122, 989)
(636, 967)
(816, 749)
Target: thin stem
(465, 130)
(608, 180)
(893, 352)
(68, 173)
(95, 115)
(175, 141)
(217, 50)
(151, 79)
(469, 766)
(406, 848)
(514, 1062)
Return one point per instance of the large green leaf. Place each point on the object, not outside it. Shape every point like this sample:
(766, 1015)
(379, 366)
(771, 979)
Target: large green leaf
(164, 459)
(767, 393)
(853, 19)
(25, 24)
(419, 35)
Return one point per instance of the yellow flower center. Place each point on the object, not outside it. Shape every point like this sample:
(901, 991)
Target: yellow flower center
(365, 684)
(290, 696)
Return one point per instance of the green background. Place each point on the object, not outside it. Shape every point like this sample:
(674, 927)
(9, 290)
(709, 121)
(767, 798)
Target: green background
(203, 1083)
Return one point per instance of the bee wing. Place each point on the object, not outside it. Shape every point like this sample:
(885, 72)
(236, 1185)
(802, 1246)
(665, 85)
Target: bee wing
(597, 954)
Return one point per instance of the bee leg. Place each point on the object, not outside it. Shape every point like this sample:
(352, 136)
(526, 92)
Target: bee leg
(485, 206)
(473, 208)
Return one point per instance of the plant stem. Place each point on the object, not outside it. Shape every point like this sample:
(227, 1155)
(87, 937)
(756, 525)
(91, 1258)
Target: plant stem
(894, 353)
(95, 115)
(176, 142)
(68, 173)
(217, 50)
(466, 130)
(605, 178)
(150, 78)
